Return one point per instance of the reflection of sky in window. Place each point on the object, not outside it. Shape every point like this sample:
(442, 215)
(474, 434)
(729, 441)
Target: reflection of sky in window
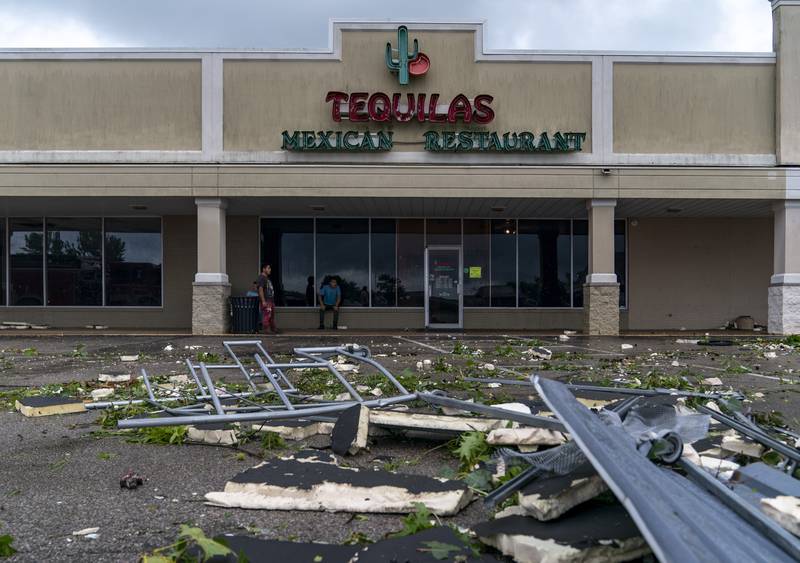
(17, 242)
(140, 247)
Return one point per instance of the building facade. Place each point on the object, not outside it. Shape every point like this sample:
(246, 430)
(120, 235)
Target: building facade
(444, 185)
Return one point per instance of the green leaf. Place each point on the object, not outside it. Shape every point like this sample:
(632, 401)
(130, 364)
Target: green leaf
(210, 547)
(417, 521)
(5, 546)
(472, 448)
(480, 479)
(157, 559)
(771, 458)
(440, 550)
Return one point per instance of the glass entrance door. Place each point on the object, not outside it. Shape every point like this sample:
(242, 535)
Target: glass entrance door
(443, 301)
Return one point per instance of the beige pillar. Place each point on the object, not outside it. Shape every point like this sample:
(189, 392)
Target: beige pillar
(784, 289)
(786, 43)
(601, 290)
(211, 288)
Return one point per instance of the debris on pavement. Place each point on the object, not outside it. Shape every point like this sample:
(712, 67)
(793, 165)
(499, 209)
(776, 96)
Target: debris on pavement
(349, 434)
(658, 458)
(548, 498)
(592, 532)
(306, 482)
(114, 377)
(131, 480)
(219, 434)
(48, 405)
(785, 511)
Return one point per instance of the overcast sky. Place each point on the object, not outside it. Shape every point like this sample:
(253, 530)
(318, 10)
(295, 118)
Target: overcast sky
(643, 25)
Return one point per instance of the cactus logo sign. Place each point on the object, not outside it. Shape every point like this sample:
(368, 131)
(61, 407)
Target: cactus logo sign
(415, 63)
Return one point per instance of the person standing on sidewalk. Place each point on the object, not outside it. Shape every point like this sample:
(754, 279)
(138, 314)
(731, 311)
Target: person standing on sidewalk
(266, 296)
(330, 296)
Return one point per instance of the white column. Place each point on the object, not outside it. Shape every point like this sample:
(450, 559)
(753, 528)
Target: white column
(601, 290)
(211, 289)
(211, 215)
(784, 290)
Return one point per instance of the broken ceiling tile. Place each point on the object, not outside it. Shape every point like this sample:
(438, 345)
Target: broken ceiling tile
(525, 436)
(550, 497)
(785, 510)
(213, 433)
(48, 405)
(592, 532)
(350, 432)
(306, 483)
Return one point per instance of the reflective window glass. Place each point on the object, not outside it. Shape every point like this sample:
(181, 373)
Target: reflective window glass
(410, 262)
(476, 262)
(343, 252)
(133, 262)
(384, 262)
(443, 232)
(619, 259)
(288, 246)
(26, 262)
(504, 263)
(74, 261)
(544, 263)
(580, 259)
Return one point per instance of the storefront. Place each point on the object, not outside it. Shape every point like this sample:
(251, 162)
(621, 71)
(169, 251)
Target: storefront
(445, 186)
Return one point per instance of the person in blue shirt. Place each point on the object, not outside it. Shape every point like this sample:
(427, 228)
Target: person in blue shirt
(330, 296)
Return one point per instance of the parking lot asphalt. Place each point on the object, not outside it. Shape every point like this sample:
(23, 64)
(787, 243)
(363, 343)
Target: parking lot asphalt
(60, 474)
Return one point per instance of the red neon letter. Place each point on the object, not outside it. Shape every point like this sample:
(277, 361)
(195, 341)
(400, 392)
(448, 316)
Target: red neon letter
(421, 108)
(483, 113)
(460, 105)
(337, 98)
(358, 101)
(434, 117)
(376, 113)
(402, 117)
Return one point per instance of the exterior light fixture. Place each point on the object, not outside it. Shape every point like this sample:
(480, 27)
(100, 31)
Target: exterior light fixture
(139, 207)
(499, 208)
(674, 210)
(318, 208)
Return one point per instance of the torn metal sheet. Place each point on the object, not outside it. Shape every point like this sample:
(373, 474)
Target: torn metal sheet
(593, 532)
(310, 483)
(680, 521)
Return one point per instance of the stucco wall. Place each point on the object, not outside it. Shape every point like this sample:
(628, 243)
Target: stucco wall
(180, 259)
(113, 105)
(694, 108)
(263, 98)
(698, 273)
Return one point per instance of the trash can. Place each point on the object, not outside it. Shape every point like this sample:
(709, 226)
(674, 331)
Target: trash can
(244, 315)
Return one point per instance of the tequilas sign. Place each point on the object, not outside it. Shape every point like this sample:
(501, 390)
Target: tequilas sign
(400, 108)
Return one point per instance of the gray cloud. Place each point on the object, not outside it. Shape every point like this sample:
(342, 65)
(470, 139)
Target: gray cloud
(659, 25)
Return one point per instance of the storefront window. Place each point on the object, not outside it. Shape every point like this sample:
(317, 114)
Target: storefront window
(443, 232)
(476, 262)
(504, 263)
(580, 259)
(544, 263)
(288, 246)
(26, 262)
(410, 262)
(343, 252)
(384, 262)
(133, 262)
(74, 262)
(619, 259)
